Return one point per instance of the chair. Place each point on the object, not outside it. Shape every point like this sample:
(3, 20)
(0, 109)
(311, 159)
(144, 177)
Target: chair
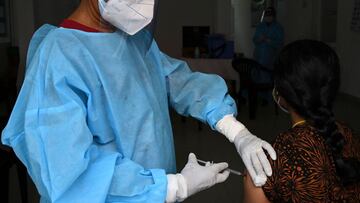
(8, 94)
(246, 68)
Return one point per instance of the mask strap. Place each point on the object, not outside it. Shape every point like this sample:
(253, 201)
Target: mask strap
(281, 107)
(278, 100)
(102, 5)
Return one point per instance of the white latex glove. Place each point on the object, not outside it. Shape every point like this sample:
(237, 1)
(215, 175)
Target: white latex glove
(249, 147)
(195, 178)
(251, 150)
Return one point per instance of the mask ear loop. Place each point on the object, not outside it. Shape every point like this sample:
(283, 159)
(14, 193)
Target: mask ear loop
(274, 94)
(102, 5)
(278, 100)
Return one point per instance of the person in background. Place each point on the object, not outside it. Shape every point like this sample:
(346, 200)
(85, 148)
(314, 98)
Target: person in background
(92, 123)
(268, 39)
(318, 158)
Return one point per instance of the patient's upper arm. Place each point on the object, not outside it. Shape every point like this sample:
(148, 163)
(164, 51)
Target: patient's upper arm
(301, 158)
(270, 190)
(252, 193)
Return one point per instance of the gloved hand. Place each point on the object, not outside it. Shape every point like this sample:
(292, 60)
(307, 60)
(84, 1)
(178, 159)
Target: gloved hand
(251, 150)
(199, 177)
(195, 178)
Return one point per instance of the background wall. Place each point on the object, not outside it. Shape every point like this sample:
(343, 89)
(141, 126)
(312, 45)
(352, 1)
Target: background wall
(174, 14)
(52, 11)
(243, 31)
(300, 19)
(224, 21)
(27, 16)
(3, 57)
(348, 47)
(22, 26)
(315, 19)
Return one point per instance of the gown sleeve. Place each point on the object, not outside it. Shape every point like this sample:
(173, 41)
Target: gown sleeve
(277, 39)
(49, 133)
(258, 33)
(202, 96)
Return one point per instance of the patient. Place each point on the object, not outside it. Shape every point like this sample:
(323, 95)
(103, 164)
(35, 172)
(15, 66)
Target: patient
(318, 158)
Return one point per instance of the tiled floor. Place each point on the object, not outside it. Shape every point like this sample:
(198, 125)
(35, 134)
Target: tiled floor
(209, 145)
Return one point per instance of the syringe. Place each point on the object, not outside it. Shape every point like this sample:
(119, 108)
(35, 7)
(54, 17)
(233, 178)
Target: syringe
(230, 170)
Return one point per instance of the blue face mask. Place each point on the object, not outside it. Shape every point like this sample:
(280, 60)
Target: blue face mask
(277, 99)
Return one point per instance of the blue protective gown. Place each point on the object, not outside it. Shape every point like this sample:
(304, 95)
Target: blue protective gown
(265, 52)
(92, 123)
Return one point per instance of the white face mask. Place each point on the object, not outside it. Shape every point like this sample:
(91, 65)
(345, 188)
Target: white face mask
(130, 16)
(278, 101)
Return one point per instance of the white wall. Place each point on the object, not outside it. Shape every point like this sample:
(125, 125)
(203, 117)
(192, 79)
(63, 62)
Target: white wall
(243, 30)
(224, 18)
(348, 46)
(302, 19)
(299, 18)
(173, 14)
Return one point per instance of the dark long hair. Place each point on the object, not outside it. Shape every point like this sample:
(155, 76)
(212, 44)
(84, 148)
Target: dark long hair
(307, 76)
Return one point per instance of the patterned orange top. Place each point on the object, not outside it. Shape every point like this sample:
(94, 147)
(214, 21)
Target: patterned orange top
(305, 170)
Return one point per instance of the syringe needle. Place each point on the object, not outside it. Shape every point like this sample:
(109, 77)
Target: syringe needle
(230, 170)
